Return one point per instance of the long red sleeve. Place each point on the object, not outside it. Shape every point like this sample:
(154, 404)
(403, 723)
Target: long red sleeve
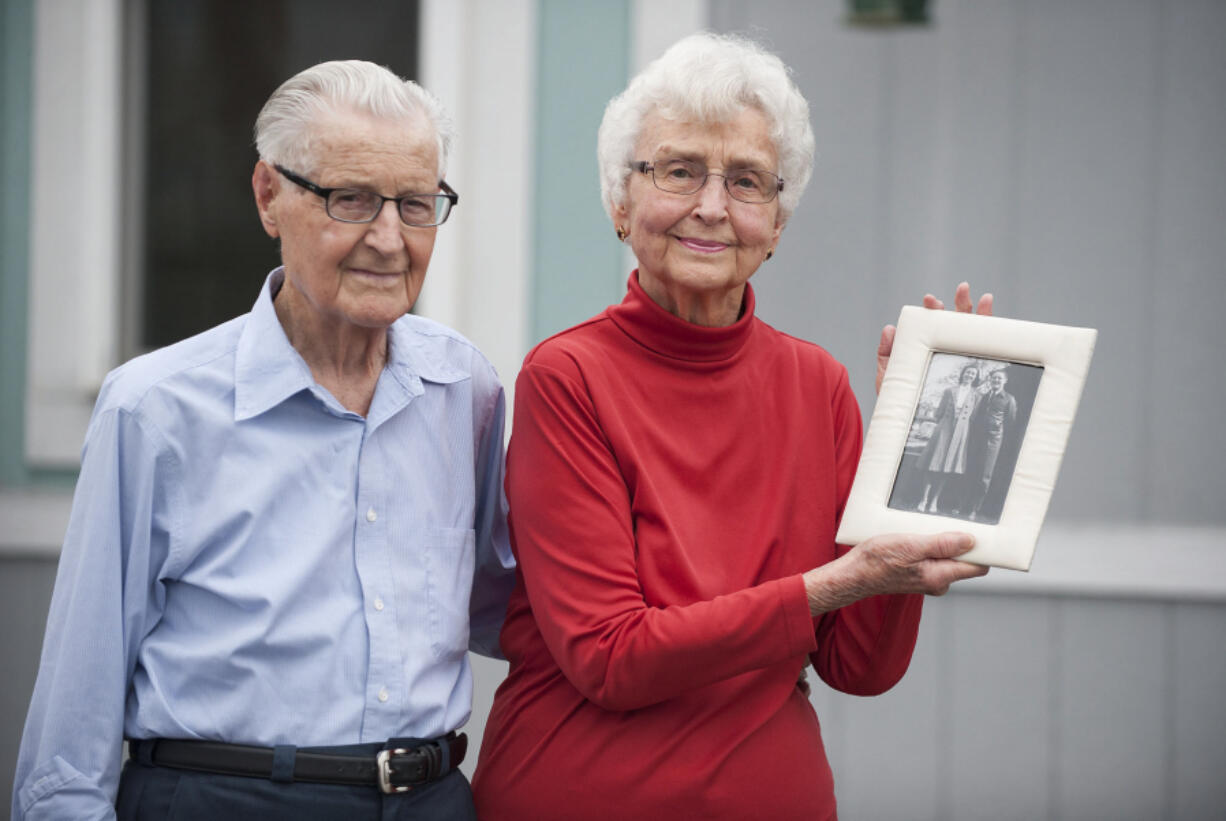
(668, 485)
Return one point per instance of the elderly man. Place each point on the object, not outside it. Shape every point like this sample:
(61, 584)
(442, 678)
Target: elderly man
(288, 530)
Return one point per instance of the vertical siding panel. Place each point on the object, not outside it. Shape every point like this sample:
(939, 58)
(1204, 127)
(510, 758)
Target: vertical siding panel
(891, 760)
(914, 163)
(1057, 628)
(981, 234)
(998, 682)
(1189, 288)
(1085, 226)
(1111, 713)
(825, 283)
(1199, 711)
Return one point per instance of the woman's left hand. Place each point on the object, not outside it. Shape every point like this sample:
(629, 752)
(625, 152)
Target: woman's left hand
(962, 304)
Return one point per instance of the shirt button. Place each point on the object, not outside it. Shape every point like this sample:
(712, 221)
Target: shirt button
(371, 515)
(383, 694)
(378, 604)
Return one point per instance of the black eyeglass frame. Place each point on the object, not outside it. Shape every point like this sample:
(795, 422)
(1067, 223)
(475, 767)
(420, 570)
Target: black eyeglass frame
(644, 167)
(448, 193)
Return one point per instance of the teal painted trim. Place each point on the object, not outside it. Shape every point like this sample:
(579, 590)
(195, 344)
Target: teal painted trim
(583, 60)
(16, 84)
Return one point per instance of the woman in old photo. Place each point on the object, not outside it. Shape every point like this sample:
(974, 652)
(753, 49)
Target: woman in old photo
(944, 458)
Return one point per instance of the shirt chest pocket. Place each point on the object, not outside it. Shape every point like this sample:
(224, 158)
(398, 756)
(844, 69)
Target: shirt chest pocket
(449, 578)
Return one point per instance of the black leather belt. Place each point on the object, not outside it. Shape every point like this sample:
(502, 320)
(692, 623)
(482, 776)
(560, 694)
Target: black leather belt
(397, 769)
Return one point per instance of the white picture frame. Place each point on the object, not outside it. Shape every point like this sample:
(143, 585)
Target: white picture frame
(934, 352)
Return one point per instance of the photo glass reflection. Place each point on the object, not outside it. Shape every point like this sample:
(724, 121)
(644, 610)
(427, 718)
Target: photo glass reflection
(964, 438)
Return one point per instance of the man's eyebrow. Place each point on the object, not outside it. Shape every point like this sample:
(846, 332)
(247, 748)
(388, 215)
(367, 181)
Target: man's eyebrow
(367, 185)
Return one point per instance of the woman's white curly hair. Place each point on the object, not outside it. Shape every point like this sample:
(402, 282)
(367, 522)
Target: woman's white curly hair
(709, 78)
(284, 130)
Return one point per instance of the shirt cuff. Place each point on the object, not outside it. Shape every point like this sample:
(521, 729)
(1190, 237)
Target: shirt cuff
(797, 620)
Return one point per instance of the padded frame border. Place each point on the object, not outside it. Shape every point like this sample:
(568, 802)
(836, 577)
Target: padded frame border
(1063, 352)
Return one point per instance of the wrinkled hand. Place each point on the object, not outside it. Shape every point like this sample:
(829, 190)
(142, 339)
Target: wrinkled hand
(893, 563)
(962, 304)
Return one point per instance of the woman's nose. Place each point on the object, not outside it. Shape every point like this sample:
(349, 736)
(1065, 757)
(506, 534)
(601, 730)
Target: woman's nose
(712, 199)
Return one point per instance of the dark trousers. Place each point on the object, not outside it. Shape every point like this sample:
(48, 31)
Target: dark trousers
(148, 792)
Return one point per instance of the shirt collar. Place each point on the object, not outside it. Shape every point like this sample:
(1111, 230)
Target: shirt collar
(268, 370)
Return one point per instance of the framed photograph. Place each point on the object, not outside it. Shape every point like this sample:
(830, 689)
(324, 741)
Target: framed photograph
(968, 431)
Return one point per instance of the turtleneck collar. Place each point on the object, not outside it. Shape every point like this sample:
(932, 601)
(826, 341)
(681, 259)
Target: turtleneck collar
(669, 335)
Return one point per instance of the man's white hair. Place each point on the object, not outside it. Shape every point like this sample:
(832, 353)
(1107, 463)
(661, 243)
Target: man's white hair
(285, 128)
(709, 78)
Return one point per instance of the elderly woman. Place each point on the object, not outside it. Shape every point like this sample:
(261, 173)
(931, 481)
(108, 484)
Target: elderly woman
(676, 473)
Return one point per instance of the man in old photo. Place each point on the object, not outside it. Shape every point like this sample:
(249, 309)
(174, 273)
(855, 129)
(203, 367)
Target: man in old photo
(991, 422)
(288, 530)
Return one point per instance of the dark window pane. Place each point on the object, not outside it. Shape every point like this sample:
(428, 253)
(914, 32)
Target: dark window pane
(212, 64)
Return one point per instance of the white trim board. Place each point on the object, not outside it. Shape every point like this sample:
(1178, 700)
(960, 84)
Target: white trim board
(1118, 561)
(74, 285)
(479, 58)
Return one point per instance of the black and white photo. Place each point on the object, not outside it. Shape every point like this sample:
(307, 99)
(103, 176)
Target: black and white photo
(969, 428)
(964, 437)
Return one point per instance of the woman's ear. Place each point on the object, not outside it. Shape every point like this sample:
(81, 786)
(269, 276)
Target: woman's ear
(621, 216)
(265, 186)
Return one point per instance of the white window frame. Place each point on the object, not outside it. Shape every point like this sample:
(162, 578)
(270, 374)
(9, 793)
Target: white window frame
(75, 222)
(478, 56)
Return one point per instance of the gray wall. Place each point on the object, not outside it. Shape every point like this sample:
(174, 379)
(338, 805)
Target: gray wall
(1027, 707)
(1067, 156)
(25, 593)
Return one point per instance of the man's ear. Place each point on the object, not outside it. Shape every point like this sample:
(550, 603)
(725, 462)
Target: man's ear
(266, 184)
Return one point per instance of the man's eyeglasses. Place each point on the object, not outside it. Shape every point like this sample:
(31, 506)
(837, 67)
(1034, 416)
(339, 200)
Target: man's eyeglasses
(356, 205)
(688, 177)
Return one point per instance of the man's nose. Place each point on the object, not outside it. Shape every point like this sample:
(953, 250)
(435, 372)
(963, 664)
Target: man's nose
(383, 233)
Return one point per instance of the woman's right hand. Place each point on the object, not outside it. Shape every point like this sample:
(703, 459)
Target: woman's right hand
(962, 304)
(891, 563)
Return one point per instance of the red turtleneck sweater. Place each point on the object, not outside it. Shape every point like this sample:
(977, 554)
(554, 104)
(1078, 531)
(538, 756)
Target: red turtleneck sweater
(668, 485)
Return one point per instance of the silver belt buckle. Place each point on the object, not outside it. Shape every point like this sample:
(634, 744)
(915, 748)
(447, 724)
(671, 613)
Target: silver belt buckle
(384, 762)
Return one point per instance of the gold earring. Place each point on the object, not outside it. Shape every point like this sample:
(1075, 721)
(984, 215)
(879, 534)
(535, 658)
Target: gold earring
(769, 254)
(621, 234)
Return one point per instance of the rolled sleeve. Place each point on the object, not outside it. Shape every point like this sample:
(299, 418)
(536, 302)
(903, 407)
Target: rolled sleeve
(105, 599)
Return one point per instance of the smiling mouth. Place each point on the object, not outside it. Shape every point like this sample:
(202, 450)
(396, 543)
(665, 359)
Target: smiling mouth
(373, 273)
(705, 246)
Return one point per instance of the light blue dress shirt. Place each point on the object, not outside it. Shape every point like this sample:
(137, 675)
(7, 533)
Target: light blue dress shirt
(248, 561)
